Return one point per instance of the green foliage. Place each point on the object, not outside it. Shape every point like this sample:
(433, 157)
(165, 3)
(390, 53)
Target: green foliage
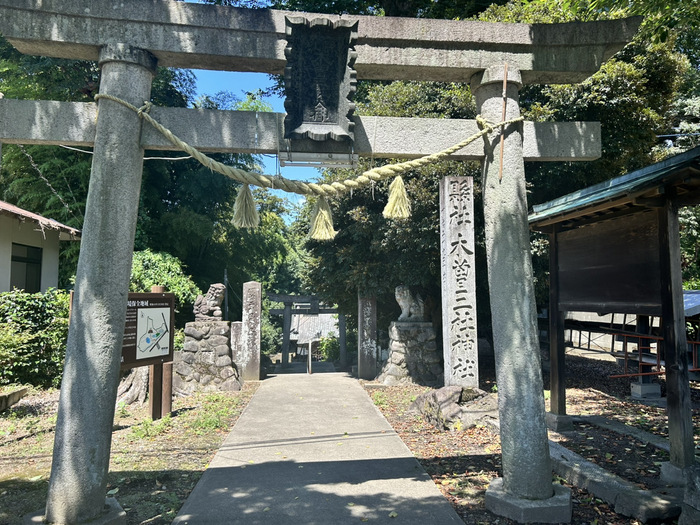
(216, 413)
(661, 17)
(329, 347)
(410, 99)
(33, 333)
(447, 9)
(270, 332)
(370, 253)
(162, 269)
(179, 339)
(689, 219)
(149, 429)
(379, 398)
(633, 96)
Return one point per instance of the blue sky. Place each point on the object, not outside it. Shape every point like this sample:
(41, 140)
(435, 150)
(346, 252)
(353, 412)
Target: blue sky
(212, 82)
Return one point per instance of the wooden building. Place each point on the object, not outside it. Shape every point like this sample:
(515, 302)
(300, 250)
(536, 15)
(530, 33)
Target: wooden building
(615, 248)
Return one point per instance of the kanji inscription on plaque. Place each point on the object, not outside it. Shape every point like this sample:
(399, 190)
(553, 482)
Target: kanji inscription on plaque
(320, 81)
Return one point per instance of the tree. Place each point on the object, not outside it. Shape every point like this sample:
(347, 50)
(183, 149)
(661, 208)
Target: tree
(662, 17)
(150, 269)
(631, 95)
(371, 254)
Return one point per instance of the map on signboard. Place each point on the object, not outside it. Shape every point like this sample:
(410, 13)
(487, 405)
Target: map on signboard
(152, 331)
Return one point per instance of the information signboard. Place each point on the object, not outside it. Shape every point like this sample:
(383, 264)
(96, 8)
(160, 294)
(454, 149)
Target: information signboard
(148, 330)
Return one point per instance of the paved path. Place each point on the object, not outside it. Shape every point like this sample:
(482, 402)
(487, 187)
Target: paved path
(313, 449)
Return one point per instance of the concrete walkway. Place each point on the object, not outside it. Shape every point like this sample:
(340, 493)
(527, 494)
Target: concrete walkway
(313, 449)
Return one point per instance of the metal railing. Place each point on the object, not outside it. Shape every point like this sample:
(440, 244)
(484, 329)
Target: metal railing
(645, 353)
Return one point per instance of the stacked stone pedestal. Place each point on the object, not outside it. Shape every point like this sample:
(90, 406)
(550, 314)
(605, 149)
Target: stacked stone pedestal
(205, 363)
(413, 356)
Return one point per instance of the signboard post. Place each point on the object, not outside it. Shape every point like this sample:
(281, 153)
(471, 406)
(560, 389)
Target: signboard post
(149, 340)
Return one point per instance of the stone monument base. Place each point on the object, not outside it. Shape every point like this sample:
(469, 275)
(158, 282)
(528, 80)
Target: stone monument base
(113, 514)
(673, 475)
(558, 422)
(645, 390)
(413, 356)
(690, 514)
(205, 363)
(556, 509)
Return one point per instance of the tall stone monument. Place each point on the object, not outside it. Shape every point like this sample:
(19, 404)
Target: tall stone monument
(128, 40)
(459, 337)
(366, 337)
(249, 351)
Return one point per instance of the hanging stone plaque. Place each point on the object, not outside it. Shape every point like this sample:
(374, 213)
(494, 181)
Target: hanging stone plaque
(320, 80)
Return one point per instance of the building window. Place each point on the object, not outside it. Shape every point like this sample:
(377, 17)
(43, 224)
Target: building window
(25, 273)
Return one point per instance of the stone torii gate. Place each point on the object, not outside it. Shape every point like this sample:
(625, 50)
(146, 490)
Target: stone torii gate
(304, 305)
(130, 38)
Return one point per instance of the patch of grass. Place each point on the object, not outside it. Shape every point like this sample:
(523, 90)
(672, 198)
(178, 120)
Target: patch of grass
(379, 398)
(148, 428)
(122, 411)
(154, 465)
(216, 412)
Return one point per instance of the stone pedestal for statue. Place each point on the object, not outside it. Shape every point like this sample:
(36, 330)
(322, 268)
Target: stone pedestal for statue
(413, 356)
(690, 514)
(205, 363)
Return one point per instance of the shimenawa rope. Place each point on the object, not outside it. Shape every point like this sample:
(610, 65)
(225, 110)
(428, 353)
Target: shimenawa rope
(398, 206)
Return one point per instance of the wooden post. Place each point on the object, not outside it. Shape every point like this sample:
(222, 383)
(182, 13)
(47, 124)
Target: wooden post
(680, 423)
(557, 369)
(167, 399)
(155, 391)
(286, 329)
(343, 341)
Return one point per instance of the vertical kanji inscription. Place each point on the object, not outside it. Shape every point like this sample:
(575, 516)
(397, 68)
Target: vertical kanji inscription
(458, 282)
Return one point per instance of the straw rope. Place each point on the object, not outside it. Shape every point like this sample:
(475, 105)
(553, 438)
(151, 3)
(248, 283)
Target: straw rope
(300, 187)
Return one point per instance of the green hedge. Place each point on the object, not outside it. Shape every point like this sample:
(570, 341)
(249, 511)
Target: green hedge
(33, 333)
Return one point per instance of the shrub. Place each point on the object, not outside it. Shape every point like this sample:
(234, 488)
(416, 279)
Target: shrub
(330, 348)
(162, 269)
(33, 333)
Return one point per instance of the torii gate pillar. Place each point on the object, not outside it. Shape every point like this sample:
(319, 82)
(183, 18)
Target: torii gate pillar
(526, 489)
(91, 373)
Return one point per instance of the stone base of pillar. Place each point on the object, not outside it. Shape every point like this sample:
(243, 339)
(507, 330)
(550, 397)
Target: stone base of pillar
(113, 514)
(672, 475)
(558, 423)
(645, 390)
(690, 513)
(413, 355)
(689, 516)
(556, 509)
(205, 363)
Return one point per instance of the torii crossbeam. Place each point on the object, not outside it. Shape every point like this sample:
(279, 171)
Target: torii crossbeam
(130, 37)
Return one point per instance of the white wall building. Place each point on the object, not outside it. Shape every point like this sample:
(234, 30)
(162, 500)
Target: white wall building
(29, 249)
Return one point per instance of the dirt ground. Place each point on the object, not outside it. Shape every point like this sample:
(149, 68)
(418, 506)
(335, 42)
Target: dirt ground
(463, 463)
(155, 465)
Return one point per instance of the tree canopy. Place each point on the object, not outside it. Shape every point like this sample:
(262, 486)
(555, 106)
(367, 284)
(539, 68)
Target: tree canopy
(633, 96)
(185, 210)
